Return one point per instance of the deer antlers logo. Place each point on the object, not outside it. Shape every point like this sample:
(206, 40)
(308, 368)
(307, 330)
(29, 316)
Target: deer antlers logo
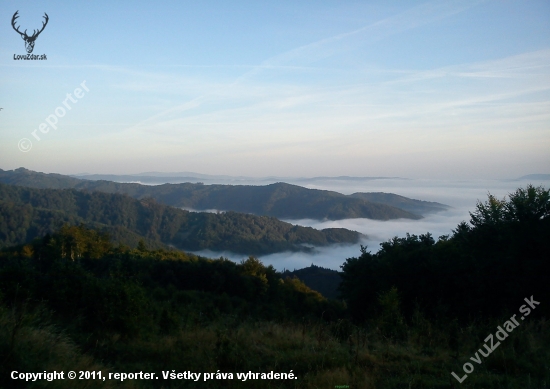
(29, 40)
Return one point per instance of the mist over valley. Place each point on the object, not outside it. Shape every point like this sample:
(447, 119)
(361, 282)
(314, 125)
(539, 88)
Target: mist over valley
(460, 195)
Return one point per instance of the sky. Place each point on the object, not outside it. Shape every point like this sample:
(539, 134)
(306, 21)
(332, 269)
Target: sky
(436, 90)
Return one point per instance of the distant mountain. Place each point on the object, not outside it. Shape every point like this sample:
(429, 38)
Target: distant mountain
(542, 177)
(181, 177)
(279, 200)
(348, 178)
(27, 213)
(147, 180)
(419, 207)
(156, 178)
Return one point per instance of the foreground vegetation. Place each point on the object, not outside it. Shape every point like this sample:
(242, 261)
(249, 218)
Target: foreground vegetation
(73, 300)
(322, 355)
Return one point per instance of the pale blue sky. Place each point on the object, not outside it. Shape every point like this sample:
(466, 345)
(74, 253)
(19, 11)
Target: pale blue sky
(438, 89)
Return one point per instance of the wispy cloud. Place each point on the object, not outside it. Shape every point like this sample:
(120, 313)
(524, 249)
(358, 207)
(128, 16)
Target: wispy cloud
(299, 58)
(521, 66)
(411, 18)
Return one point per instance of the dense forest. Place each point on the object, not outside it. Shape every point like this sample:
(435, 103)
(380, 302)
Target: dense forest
(27, 213)
(115, 303)
(409, 315)
(486, 267)
(279, 200)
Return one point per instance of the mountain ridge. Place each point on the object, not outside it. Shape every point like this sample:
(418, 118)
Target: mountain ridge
(281, 200)
(28, 213)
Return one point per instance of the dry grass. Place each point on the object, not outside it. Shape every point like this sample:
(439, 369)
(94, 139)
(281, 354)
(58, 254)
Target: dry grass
(30, 346)
(315, 352)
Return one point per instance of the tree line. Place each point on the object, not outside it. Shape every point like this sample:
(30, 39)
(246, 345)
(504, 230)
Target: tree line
(484, 269)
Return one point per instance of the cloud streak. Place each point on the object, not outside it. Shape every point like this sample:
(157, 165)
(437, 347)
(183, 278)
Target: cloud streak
(411, 18)
(292, 60)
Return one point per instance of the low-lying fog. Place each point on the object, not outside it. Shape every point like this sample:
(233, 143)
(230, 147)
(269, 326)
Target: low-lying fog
(461, 195)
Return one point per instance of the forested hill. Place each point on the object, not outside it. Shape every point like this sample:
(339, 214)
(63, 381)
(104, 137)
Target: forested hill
(27, 213)
(278, 200)
(324, 281)
(418, 207)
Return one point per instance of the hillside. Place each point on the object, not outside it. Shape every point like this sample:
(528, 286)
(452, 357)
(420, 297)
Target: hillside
(324, 281)
(27, 213)
(32, 179)
(75, 299)
(418, 207)
(280, 200)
